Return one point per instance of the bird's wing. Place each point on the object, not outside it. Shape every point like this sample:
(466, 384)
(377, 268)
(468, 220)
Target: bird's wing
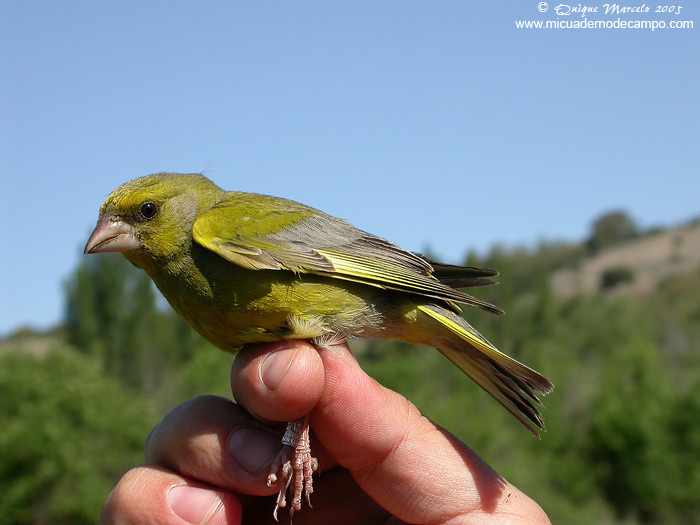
(259, 232)
(462, 276)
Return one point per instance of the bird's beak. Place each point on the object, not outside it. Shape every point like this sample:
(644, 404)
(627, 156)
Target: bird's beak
(112, 235)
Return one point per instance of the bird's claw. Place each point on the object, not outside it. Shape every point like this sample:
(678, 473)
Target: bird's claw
(293, 467)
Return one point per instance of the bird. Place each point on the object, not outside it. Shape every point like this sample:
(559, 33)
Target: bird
(246, 268)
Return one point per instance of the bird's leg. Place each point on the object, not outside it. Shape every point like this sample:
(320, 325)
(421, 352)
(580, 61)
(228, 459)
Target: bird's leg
(294, 466)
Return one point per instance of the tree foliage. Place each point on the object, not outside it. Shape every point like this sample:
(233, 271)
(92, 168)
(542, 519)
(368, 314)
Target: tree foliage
(610, 229)
(615, 276)
(67, 434)
(112, 314)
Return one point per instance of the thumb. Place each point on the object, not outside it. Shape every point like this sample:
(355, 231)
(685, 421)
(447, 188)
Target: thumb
(413, 468)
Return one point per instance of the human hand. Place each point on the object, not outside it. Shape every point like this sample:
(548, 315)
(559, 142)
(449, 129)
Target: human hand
(381, 461)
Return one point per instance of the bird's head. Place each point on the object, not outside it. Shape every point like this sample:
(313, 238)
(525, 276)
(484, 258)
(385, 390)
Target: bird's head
(151, 217)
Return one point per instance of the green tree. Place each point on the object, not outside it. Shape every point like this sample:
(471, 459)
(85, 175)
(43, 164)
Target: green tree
(68, 433)
(110, 308)
(112, 313)
(615, 276)
(610, 229)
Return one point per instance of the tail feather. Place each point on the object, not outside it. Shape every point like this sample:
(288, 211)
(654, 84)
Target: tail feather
(511, 383)
(515, 401)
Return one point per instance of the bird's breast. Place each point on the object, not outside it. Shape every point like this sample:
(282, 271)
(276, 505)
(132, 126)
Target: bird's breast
(232, 306)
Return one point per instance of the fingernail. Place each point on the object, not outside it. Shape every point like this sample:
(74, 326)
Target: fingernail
(193, 504)
(275, 366)
(253, 449)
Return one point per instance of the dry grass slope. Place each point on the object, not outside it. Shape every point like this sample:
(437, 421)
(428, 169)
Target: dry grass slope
(651, 258)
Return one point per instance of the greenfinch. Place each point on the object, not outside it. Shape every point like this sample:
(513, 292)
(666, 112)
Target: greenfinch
(248, 268)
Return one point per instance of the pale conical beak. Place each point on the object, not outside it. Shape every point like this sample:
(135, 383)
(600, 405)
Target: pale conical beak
(112, 235)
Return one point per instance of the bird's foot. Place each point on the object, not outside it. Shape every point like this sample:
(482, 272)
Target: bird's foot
(294, 467)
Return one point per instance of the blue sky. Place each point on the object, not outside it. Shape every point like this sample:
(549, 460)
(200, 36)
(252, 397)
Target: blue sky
(433, 124)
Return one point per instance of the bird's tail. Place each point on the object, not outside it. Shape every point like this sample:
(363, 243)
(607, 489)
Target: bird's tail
(511, 383)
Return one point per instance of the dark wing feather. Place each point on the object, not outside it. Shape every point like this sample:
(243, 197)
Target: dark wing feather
(462, 276)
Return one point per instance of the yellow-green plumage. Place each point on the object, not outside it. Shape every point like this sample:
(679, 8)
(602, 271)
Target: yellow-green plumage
(244, 268)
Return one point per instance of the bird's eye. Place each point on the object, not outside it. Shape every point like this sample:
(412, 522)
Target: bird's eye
(148, 210)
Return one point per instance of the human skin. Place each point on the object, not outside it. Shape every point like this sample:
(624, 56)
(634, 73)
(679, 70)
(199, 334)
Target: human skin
(381, 460)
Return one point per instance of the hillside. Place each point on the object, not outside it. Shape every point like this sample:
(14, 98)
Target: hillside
(644, 262)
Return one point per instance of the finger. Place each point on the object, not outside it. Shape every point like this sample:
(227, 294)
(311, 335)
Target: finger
(336, 499)
(213, 440)
(150, 494)
(279, 381)
(413, 468)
